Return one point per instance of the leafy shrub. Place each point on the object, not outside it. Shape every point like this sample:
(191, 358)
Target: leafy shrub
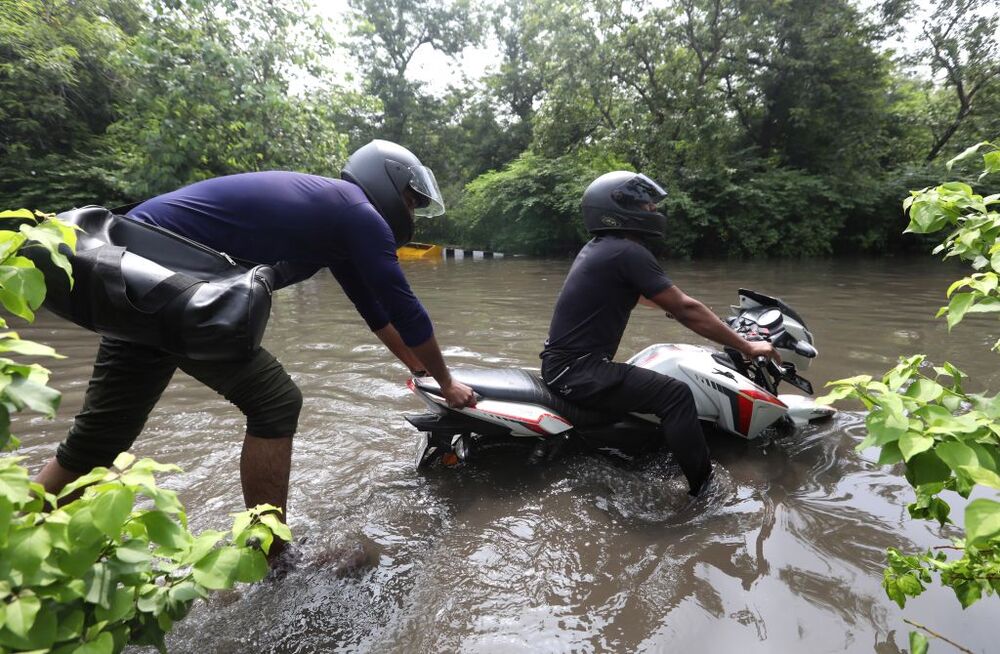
(93, 574)
(921, 416)
(533, 205)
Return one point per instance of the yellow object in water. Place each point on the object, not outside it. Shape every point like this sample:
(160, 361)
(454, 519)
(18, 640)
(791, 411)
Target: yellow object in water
(414, 251)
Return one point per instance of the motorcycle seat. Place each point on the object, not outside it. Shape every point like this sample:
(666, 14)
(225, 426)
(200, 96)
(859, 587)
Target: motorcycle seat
(516, 385)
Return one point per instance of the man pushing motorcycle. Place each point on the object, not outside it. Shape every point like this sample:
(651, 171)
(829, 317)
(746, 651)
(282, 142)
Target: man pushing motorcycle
(610, 276)
(300, 223)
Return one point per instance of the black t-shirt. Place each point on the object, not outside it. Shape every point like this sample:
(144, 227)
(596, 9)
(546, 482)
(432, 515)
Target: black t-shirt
(598, 296)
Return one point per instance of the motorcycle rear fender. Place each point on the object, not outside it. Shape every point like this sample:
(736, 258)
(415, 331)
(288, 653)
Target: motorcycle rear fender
(517, 418)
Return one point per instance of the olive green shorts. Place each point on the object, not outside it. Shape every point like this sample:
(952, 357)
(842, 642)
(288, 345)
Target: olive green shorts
(128, 380)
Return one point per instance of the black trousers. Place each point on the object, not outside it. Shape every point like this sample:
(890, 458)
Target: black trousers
(128, 379)
(622, 388)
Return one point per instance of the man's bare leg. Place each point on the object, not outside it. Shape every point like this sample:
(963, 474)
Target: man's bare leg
(54, 477)
(265, 465)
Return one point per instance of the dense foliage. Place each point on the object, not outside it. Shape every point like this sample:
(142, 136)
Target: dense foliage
(922, 416)
(95, 574)
(780, 127)
(91, 574)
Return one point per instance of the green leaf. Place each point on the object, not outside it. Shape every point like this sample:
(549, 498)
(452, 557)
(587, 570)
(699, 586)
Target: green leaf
(968, 593)
(37, 397)
(926, 468)
(17, 214)
(966, 153)
(924, 390)
(10, 342)
(218, 569)
(278, 528)
(103, 644)
(893, 591)
(956, 454)
(28, 547)
(252, 566)
(982, 521)
(241, 521)
(911, 444)
(22, 289)
(201, 545)
(982, 476)
(185, 592)
(121, 606)
(890, 454)
(910, 585)
(918, 643)
(70, 625)
(50, 236)
(164, 530)
(959, 304)
(880, 429)
(21, 614)
(111, 508)
(123, 461)
(991, 163)
(96, 475)
(100, 583)
(134, 551)
(152, 599)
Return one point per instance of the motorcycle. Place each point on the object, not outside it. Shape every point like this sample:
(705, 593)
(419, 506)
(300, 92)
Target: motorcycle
(733, 394)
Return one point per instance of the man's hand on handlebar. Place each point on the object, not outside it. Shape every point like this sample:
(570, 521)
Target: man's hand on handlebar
(756, 349)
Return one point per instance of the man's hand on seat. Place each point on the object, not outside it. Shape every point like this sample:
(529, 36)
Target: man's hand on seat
(458, 395)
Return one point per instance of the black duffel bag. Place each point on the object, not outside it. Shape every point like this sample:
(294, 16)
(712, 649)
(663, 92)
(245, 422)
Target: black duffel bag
(141, 283)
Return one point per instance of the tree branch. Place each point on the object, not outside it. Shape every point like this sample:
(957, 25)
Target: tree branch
(938, 636)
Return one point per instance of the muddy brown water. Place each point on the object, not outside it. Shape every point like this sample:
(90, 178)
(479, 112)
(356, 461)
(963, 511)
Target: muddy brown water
(588, 554)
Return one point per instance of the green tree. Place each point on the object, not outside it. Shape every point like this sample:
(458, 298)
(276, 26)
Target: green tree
(210, 95)
(532, 206)
(60, 80)
(960, 45)
(386, 36)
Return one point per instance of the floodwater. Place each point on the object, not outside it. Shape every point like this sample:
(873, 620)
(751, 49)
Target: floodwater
(588, 554)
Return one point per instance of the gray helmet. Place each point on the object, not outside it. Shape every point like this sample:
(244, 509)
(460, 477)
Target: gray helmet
(614, 202)
(384, 169)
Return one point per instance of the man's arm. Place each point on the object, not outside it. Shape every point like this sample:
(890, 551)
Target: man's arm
(392, 340)
(701, 320)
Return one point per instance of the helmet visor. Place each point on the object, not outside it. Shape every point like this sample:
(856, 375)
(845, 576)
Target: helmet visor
(430, 202)
(639, 190)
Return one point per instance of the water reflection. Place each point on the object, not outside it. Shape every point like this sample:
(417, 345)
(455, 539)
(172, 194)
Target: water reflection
(588, 554)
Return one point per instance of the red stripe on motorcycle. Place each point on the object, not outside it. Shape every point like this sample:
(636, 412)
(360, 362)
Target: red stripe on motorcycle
(745, 414)
(764, 397)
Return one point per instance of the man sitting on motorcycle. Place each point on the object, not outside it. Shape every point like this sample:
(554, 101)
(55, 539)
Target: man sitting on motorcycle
(611, 274)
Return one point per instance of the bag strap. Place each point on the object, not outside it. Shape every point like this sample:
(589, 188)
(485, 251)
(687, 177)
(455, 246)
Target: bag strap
(109, 269)
(164, 292)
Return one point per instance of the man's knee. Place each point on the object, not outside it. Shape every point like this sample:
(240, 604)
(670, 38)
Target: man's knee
(273, 412)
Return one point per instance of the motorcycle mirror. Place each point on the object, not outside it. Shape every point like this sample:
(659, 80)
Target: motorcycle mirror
(804, 349)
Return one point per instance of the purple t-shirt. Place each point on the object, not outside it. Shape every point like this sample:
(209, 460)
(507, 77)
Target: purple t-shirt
(303, 222)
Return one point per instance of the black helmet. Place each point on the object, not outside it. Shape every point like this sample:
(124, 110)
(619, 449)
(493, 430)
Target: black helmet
(614, 202)
(383, 169)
